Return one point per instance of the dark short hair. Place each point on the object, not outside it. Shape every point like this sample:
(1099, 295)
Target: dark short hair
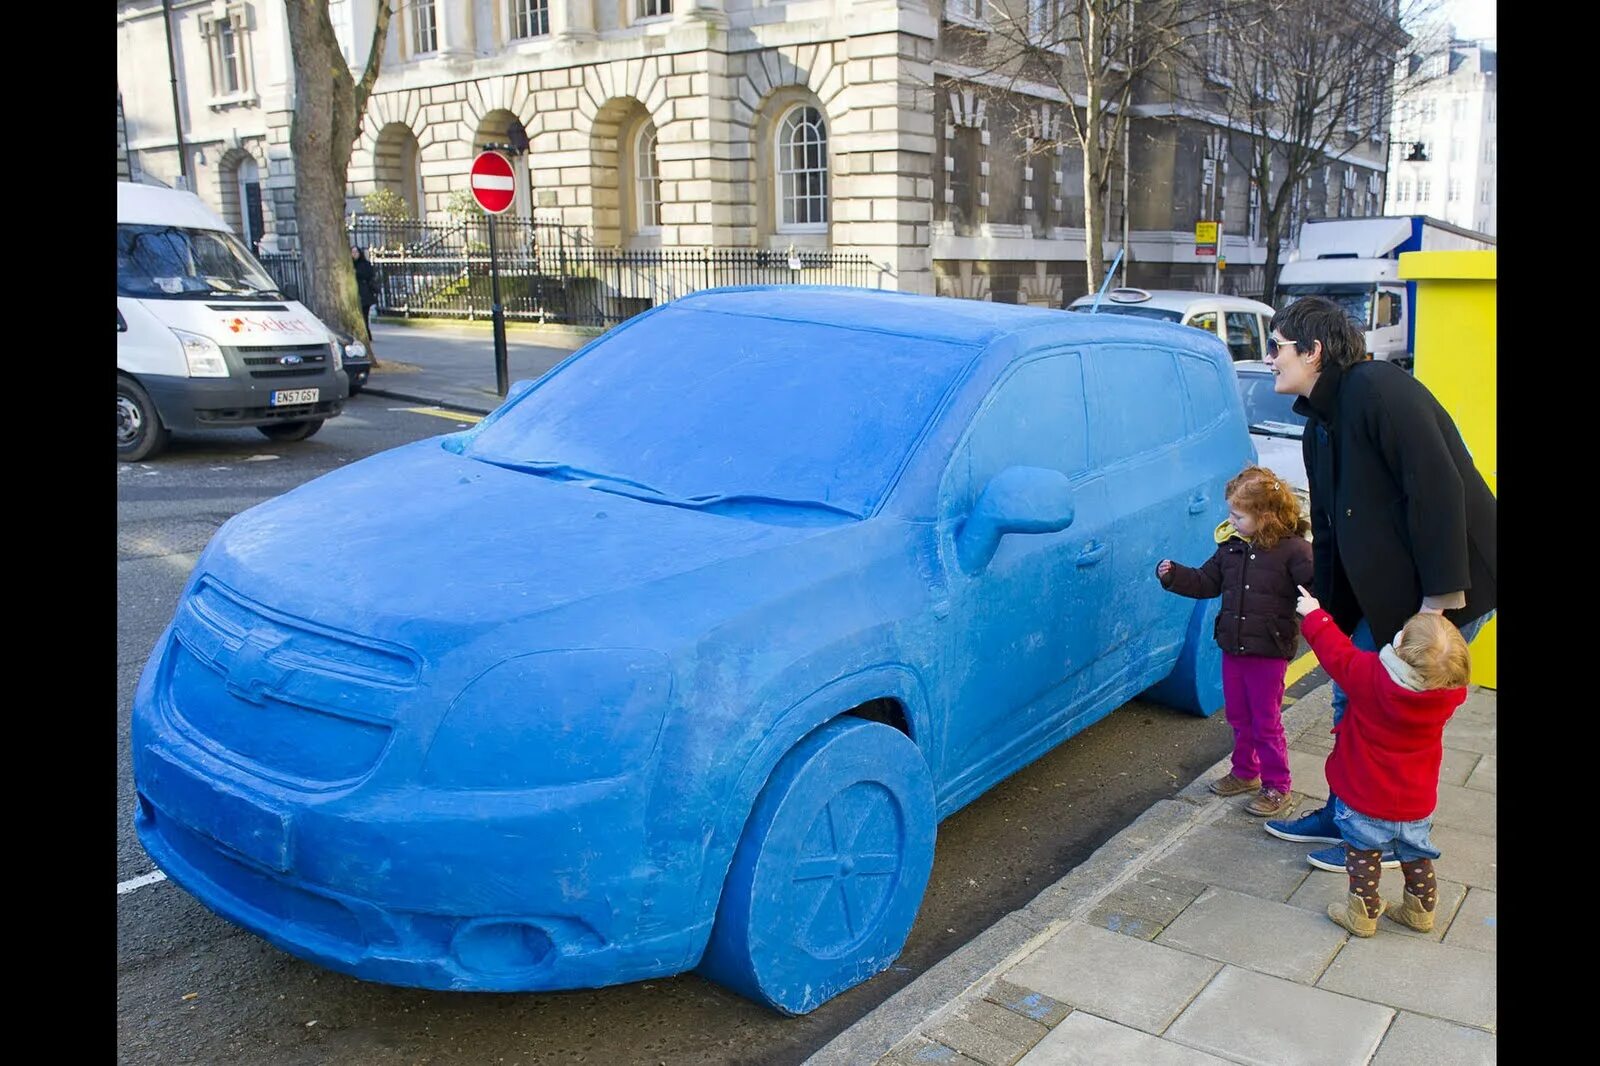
(1316, 318)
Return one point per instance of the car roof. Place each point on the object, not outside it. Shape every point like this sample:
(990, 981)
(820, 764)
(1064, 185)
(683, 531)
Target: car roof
(973, 322)
(1183, 299)
(154, 205)
(1252, 364)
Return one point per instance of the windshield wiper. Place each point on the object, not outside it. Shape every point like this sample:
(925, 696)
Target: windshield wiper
(1278, 429)
(567, 472)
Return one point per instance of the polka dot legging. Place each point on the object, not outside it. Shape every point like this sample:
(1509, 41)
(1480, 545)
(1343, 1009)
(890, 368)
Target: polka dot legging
(1365, 867)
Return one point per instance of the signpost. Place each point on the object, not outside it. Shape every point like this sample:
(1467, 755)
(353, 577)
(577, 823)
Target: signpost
(494, 186)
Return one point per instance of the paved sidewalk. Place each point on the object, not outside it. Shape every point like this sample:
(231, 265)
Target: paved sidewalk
(453, 365)
(1193, 937)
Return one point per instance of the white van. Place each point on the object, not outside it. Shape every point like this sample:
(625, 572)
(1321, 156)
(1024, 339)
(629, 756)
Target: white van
(1240, 322)
(204, 338)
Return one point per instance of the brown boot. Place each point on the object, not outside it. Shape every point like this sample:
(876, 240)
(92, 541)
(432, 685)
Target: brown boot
(1410, 913)
(1353, 916)
(1270, 803)
(1233, 786)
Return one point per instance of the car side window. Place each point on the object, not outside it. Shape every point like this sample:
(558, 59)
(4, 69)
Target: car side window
(1244, 334)
(1035, 416)
(1206, 320)
(1137, 402)
(1206, 394)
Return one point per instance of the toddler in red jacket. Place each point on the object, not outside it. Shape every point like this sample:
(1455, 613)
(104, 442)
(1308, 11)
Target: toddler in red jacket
(1386, 755)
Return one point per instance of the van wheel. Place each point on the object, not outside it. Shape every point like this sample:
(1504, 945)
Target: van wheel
(140, 433)
(1195, 684)
(291, 430)
(829, 874)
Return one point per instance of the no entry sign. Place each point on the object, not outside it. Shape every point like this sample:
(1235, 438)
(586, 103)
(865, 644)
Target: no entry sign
(493, 183)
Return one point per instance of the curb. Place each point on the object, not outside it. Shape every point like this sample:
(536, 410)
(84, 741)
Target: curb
(942, 989)
(431, 401)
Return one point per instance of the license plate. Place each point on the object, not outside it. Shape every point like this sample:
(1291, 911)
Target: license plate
(284, 397)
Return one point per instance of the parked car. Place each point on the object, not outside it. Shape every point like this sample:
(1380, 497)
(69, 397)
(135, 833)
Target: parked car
(357, 360)
(1274, 426)
(1240, 322)
(677, 659)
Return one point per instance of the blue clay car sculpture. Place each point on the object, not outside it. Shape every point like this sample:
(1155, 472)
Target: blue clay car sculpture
(676, 661)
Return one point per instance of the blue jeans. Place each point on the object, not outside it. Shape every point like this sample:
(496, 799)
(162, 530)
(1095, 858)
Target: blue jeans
(1408, 840)
(1362, 638)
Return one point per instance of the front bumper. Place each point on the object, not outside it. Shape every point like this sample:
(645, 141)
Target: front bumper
(218, 403)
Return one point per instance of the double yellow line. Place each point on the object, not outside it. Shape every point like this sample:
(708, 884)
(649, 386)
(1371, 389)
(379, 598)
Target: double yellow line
(440, 412)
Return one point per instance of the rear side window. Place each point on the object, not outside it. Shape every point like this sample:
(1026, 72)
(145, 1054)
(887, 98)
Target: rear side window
(1244, 334)
(1138, 402)
(1206, 395)
(1206, 320)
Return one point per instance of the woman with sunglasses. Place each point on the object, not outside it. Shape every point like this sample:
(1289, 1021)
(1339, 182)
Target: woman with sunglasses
(1401, 519)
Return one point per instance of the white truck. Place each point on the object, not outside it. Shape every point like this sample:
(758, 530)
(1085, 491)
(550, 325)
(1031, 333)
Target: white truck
(1355, 262)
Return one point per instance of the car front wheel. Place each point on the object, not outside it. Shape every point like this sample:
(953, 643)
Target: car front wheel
(140, 433)
(829, 874)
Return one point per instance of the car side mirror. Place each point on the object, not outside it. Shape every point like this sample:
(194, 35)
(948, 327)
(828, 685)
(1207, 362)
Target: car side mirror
(1019, 499)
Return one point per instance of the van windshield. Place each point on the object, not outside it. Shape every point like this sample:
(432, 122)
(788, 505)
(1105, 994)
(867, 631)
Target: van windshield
(1355, 299)
(171, 263)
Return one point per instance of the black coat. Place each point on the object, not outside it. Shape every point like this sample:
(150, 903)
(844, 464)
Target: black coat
(1398, 511)
(1258, 592)
(365, 282)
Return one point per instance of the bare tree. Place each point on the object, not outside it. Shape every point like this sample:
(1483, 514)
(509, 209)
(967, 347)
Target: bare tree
(328, 105)
(1098, 54)
(1310, 80)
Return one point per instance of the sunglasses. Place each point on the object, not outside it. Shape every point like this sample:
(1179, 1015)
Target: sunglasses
(1273, 344)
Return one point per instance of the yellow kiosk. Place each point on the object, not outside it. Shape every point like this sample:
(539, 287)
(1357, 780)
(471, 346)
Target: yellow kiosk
(1456, 359)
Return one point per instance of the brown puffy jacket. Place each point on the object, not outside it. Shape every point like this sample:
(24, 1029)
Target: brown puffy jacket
(1258, 592)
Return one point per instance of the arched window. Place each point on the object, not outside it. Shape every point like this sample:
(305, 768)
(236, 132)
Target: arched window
(803, 171)
(647, 180)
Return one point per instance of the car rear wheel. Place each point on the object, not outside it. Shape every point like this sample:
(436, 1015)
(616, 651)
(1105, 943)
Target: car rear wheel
(288, 431)
(140, 433)
(829, 874)
(1195, 684)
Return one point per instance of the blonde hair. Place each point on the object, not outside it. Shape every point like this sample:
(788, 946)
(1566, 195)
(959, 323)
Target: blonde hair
(1264, 496)
(1432, 646)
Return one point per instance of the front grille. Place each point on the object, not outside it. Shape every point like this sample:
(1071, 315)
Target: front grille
(267, 363)
(305, 706)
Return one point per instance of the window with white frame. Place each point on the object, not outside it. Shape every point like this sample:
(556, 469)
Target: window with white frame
(1424, 190)
(530, 18)
(1042, 21)
(1486, 192)
(646, 181)
(649, 9)
(1219, 51)
(226, 36)
(802, 151)
(1428, 110)
(1254, 221)
(1402, 191)
(964, 10)
(424, 27)
(1454, 190)
(1458, 108)
(1488, 109)
(1488, 151)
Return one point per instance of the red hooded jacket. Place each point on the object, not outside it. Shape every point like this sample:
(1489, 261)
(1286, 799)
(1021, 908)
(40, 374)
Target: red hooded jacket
(1390, 742)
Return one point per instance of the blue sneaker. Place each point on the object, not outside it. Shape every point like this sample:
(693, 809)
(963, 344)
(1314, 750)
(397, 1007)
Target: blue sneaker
(1333, 859)
(1314, 827)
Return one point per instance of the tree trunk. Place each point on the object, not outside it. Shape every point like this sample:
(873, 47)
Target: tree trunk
(322, 134)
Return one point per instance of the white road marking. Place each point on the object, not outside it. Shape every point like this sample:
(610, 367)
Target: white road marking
(154, 877)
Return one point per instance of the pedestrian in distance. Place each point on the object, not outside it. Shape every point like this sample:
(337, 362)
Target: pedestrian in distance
(1401, 520)
(366, 286)
(1262, 557)
(1387, 751)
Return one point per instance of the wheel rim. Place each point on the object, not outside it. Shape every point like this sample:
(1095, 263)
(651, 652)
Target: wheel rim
(130, 420)
(845, 874)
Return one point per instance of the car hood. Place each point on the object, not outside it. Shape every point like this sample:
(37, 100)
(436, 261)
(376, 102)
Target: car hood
(1284, 457)
(424, 547)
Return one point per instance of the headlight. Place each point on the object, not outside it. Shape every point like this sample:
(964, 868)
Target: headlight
(338, 354)
(355, 350)
(552, 718)
(203, 355)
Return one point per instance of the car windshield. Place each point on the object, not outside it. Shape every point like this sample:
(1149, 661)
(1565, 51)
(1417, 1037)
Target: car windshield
(735, 412)
(169, 262)
(1157, 313)
(1354, 299)
(1266, 411)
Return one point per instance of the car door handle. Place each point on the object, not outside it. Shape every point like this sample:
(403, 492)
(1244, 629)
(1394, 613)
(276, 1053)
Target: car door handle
(1091, 554)
(1197, 502)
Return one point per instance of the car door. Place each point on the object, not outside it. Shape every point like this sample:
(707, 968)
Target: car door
(1022, 633)
(1137, 438)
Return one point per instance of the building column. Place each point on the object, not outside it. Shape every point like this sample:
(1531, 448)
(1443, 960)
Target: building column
(572, 20)
(457, 36)
(711, 11)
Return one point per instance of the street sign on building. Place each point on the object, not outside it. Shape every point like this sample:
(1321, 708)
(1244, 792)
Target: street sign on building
(1205, 238)
(494, 184)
